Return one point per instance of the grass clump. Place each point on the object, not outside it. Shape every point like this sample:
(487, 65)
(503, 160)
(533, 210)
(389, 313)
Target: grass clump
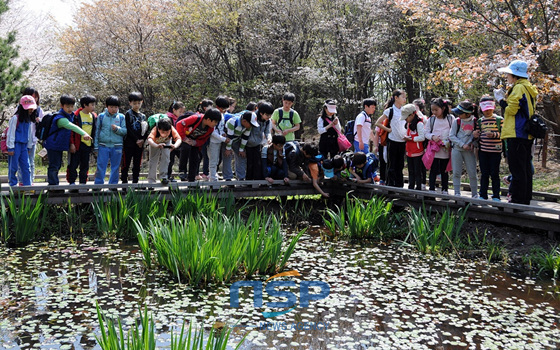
(201, 249)
(142, 336)
(359, 219)
(545, 261)
(23, 216)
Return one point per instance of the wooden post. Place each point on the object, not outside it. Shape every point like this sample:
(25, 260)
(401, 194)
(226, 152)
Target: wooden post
(544, 150)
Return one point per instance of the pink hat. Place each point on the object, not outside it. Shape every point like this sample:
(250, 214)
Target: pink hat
(28, 102)
(486, 105)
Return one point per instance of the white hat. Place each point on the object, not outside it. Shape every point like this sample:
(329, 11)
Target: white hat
(254, 120)
(407, 110)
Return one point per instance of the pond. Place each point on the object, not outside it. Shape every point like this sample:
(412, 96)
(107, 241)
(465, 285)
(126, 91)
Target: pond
(381, 297)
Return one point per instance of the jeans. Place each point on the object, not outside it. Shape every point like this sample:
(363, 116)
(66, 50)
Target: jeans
(457, 159)
(519, 161)
(55, 162)
(81, 159)
(357, 147)
(31, 161)
(489, 169)
(104, 156)
(158, 156)
(240, 165)
(20, 160)
(215, 150)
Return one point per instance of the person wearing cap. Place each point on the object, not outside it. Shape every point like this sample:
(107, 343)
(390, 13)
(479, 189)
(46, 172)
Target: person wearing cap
(362, 126)
(490, 148)
(414, 145)
(274, 164)
(462, 136)
(37, 117)
(19, 139)
(519, 103)
(238, 129)
(326, 125)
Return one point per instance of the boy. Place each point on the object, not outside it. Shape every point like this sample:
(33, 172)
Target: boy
(295, 159)
(238, 129)
(312, 162)
(362, 126)
(363, 167)
(58, 139)
(80, 149)
(218, 139)
(160, 139)
(274, 164)
(341, 164)
(285, 120)
(194, 132)
(136, 128)
(108, 142)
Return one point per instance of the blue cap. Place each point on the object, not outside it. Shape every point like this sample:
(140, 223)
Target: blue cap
(517, 68)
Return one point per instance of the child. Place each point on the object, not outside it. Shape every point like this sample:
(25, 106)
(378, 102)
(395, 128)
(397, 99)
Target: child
(160, 141)
(136, 133)
(258, 138)
(312, 161)
(363, 167)
(490, 148)
(438, 133)
(58, 139)
(341, 167)
(396, 144)
(80, 149)
(462, 135)
(238, 129)
(202, 107)
(216, 146)
(194, 131)
(176, 110)
(327, 125)
(274, 164)
(19, 140)
(37, 116)
(285, 120)
(295, 158)
(362, 126)
(414, 145)
(108, 142)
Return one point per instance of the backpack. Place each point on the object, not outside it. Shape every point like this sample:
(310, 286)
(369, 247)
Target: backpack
(371, 161)
(432, 121)
(535, 126)
(281, 117)
(4, 140)
(154, 119)
(43, 131)
(382, 133)
(349, 130)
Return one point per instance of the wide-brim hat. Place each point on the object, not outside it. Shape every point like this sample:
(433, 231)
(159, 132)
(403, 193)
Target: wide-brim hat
(517, 68)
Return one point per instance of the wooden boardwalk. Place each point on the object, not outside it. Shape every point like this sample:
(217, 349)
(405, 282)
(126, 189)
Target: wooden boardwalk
(542, 214)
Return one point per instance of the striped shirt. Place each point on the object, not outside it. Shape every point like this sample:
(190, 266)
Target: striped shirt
(490, 143)
(235, 130)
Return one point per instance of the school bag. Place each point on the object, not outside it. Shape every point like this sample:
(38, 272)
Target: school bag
(371, 162)
(382, 133)
(349, 130)
(432, 121)
(154, 119)
(535, 126)
(281, 116)
(43, 130)
(4, 140)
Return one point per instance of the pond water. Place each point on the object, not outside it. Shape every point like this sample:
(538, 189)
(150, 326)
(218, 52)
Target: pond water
(381, 297)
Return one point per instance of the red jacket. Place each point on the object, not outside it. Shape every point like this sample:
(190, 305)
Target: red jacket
(75, 138)
(186, 126)
(414, 149)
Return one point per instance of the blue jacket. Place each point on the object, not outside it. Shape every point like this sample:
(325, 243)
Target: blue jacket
(104, 134)
(59, 140)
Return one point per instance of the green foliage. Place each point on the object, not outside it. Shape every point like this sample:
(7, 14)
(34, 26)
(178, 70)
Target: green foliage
(5, 232)
(112, 215)
(360, 219)
(435, 235)
(27, 217)
(548, 261)
(201, 249)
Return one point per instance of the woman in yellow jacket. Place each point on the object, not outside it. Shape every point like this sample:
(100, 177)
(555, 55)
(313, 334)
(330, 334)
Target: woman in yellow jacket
(519, 104)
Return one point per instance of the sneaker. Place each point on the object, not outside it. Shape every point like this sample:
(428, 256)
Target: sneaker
(423, 187)
(508, 197)
(172, 180)
(205, 177)
(382, 183)
(496, 199)
(505, 179)
(444, 192)
(198, 178)
(183, 177)
(164, 181)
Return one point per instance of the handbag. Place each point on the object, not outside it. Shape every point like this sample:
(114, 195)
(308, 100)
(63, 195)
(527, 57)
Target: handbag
(343, 143)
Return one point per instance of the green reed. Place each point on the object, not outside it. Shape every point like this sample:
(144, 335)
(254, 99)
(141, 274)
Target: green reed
(5, 224)
(360, 219)
(435, 235)
(26, 216)
(549, 261)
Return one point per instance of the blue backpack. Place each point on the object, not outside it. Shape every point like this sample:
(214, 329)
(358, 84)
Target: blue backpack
(349, 130)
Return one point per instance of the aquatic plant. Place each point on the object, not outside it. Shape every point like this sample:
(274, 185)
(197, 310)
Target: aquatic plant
(142, 336)
(26, 215)
(197, 201)
(112, 215)
(435, 234)
(549, 261)
(5, 224)
(212, 248)
(359, 219)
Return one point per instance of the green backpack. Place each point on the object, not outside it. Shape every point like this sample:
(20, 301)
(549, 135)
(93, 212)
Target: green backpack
(154, 119)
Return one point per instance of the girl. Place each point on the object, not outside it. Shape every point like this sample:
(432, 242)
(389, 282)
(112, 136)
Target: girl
(462, 135)
(37, 116)
(490, 150)
(396, 143)
(327, 121)
(437, 131)
(20, 139)
(414, 145)
(176, 110)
